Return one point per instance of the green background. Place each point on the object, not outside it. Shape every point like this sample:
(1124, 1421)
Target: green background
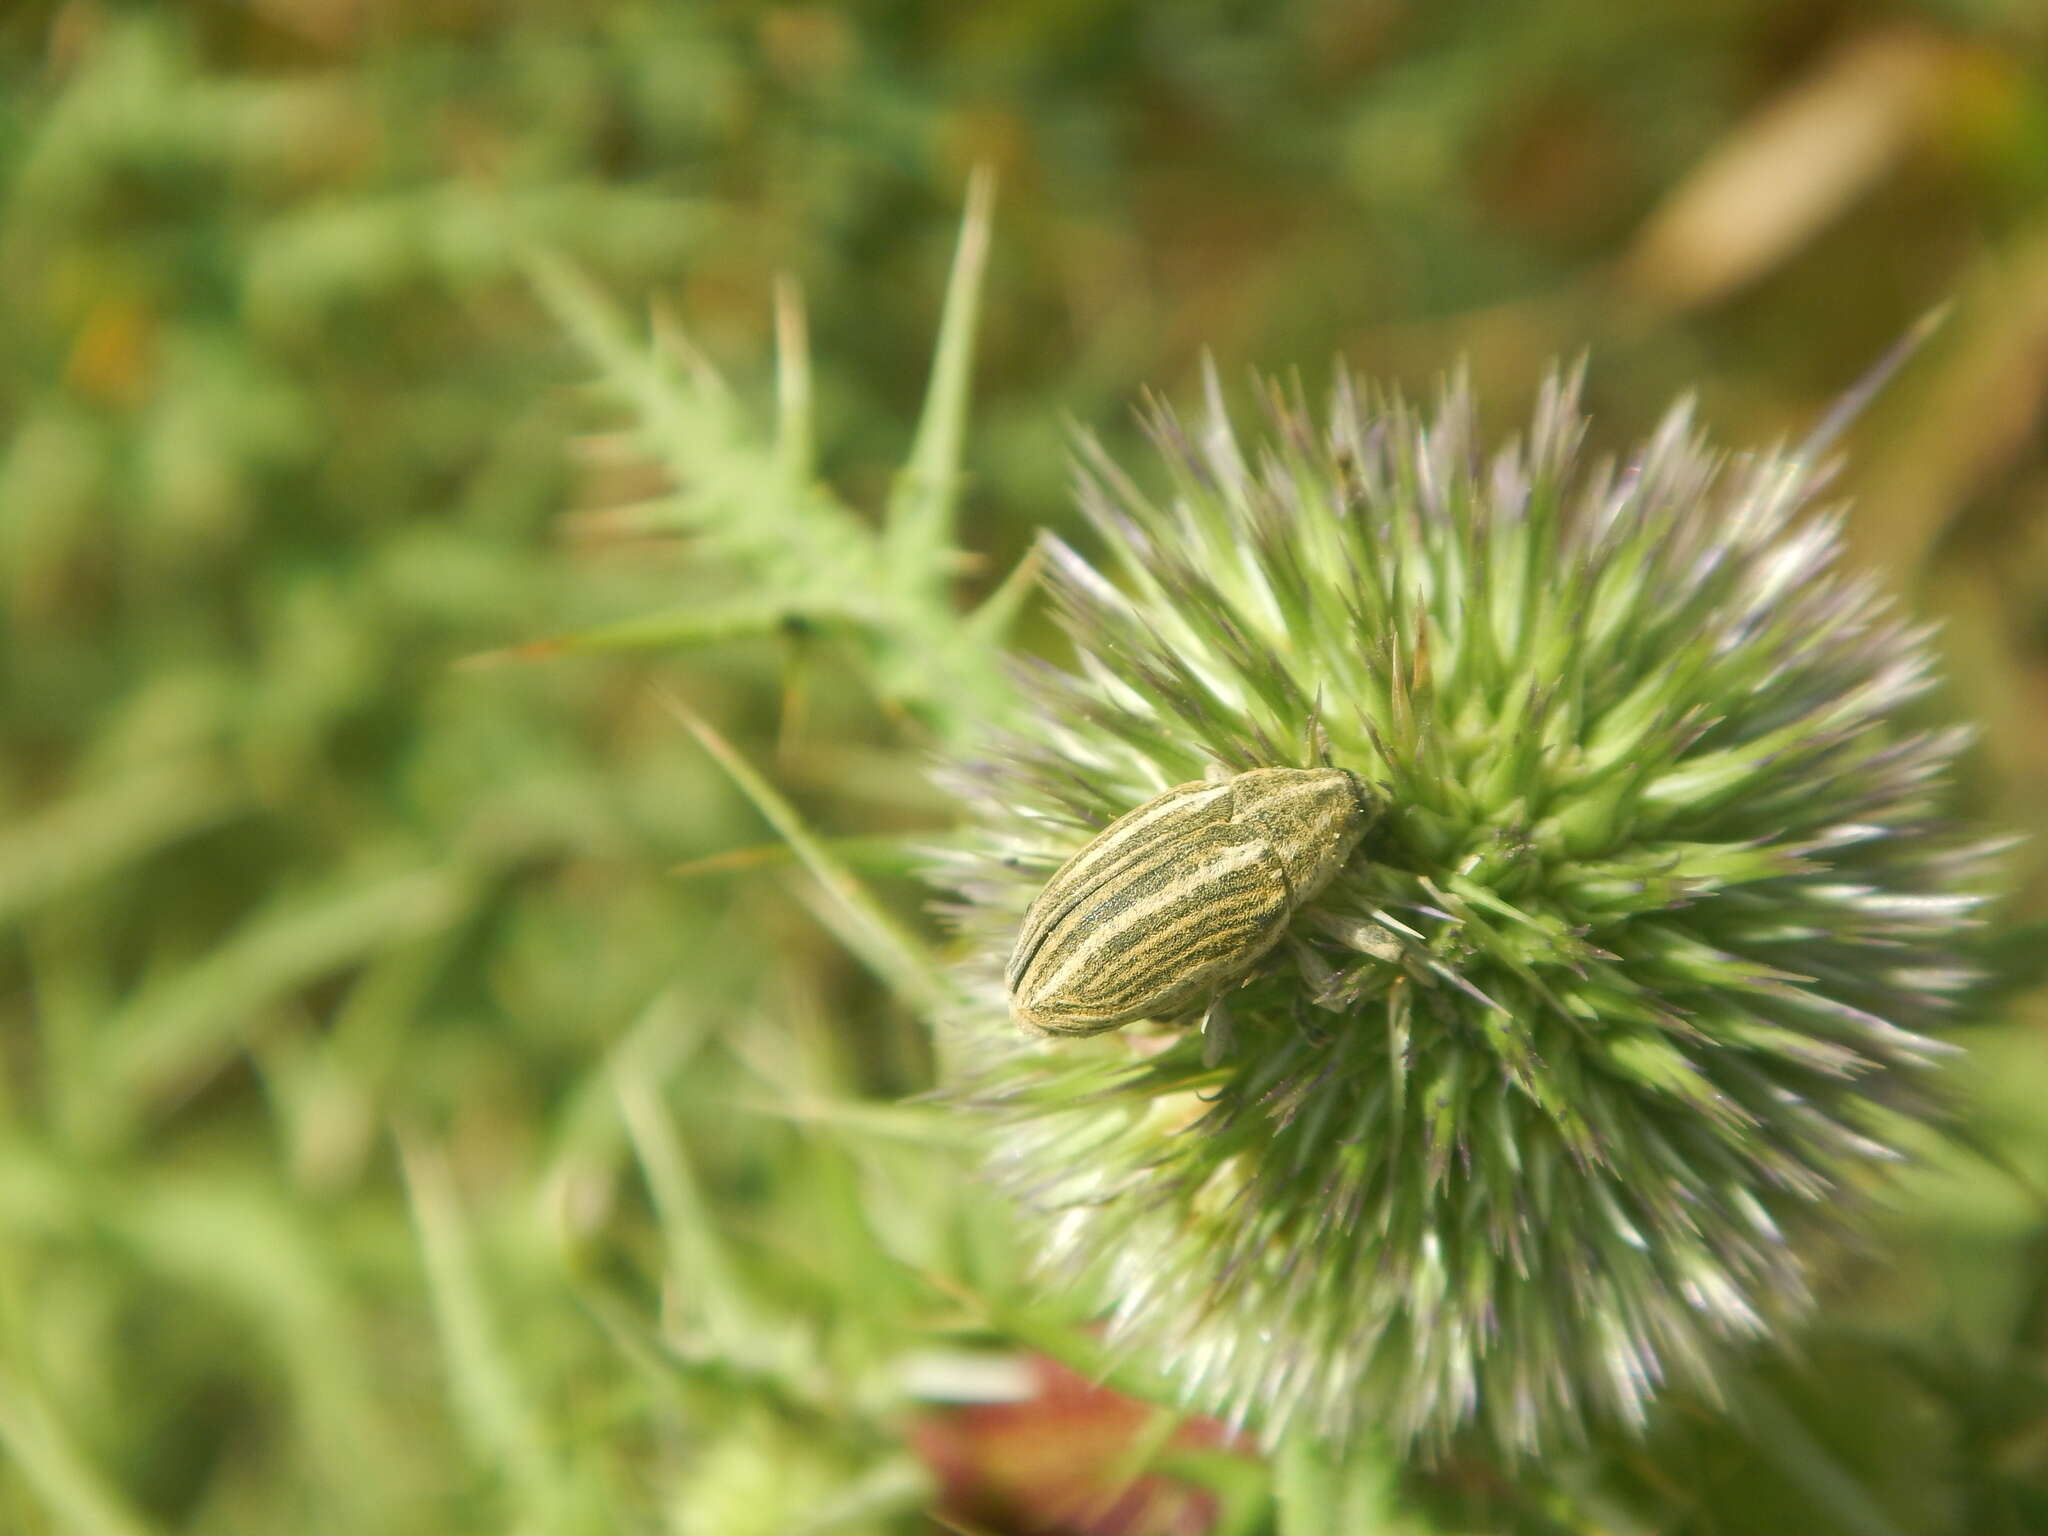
(392, 1137)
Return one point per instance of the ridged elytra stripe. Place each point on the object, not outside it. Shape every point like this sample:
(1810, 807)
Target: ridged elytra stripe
(1132, 838)
(1164, 932)
(1179, 897)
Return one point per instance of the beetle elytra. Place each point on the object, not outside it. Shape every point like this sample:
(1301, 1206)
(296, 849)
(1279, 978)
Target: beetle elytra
(1173, 901)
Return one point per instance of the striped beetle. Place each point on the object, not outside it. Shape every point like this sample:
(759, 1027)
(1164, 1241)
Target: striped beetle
(1170, 903)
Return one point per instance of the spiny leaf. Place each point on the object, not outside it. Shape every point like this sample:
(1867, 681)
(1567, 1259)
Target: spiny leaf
(920, 524)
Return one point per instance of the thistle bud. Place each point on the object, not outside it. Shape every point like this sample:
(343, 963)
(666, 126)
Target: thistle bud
(1561, 1080)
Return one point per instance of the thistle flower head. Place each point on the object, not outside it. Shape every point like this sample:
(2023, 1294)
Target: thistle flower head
(1555, 1086)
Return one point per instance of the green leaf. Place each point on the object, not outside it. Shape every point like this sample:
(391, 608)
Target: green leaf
(1323, 1494)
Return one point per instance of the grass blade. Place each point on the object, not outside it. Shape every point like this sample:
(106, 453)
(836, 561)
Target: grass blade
(699, 1269)
(794, 461)
(491, 1405)
(97, 831)
(181, 1027)
(874, 936)
(52, 1464)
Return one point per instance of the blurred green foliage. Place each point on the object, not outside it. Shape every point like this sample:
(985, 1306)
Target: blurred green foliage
(388, 1139)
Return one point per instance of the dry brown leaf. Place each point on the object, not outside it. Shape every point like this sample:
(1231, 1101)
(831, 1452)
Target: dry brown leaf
(1781, 176)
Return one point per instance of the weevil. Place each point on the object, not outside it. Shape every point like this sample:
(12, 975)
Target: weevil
(1172, 902)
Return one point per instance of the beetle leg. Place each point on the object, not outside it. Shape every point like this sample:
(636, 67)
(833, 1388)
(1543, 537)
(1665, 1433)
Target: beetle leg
(1219, 1035)
(1311, 1032)
(1323, 978)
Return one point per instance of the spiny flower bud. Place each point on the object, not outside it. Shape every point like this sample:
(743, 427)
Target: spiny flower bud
(1557, 1084)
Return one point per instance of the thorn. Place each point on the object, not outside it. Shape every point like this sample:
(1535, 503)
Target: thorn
(1853, 401)
(530, 650)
